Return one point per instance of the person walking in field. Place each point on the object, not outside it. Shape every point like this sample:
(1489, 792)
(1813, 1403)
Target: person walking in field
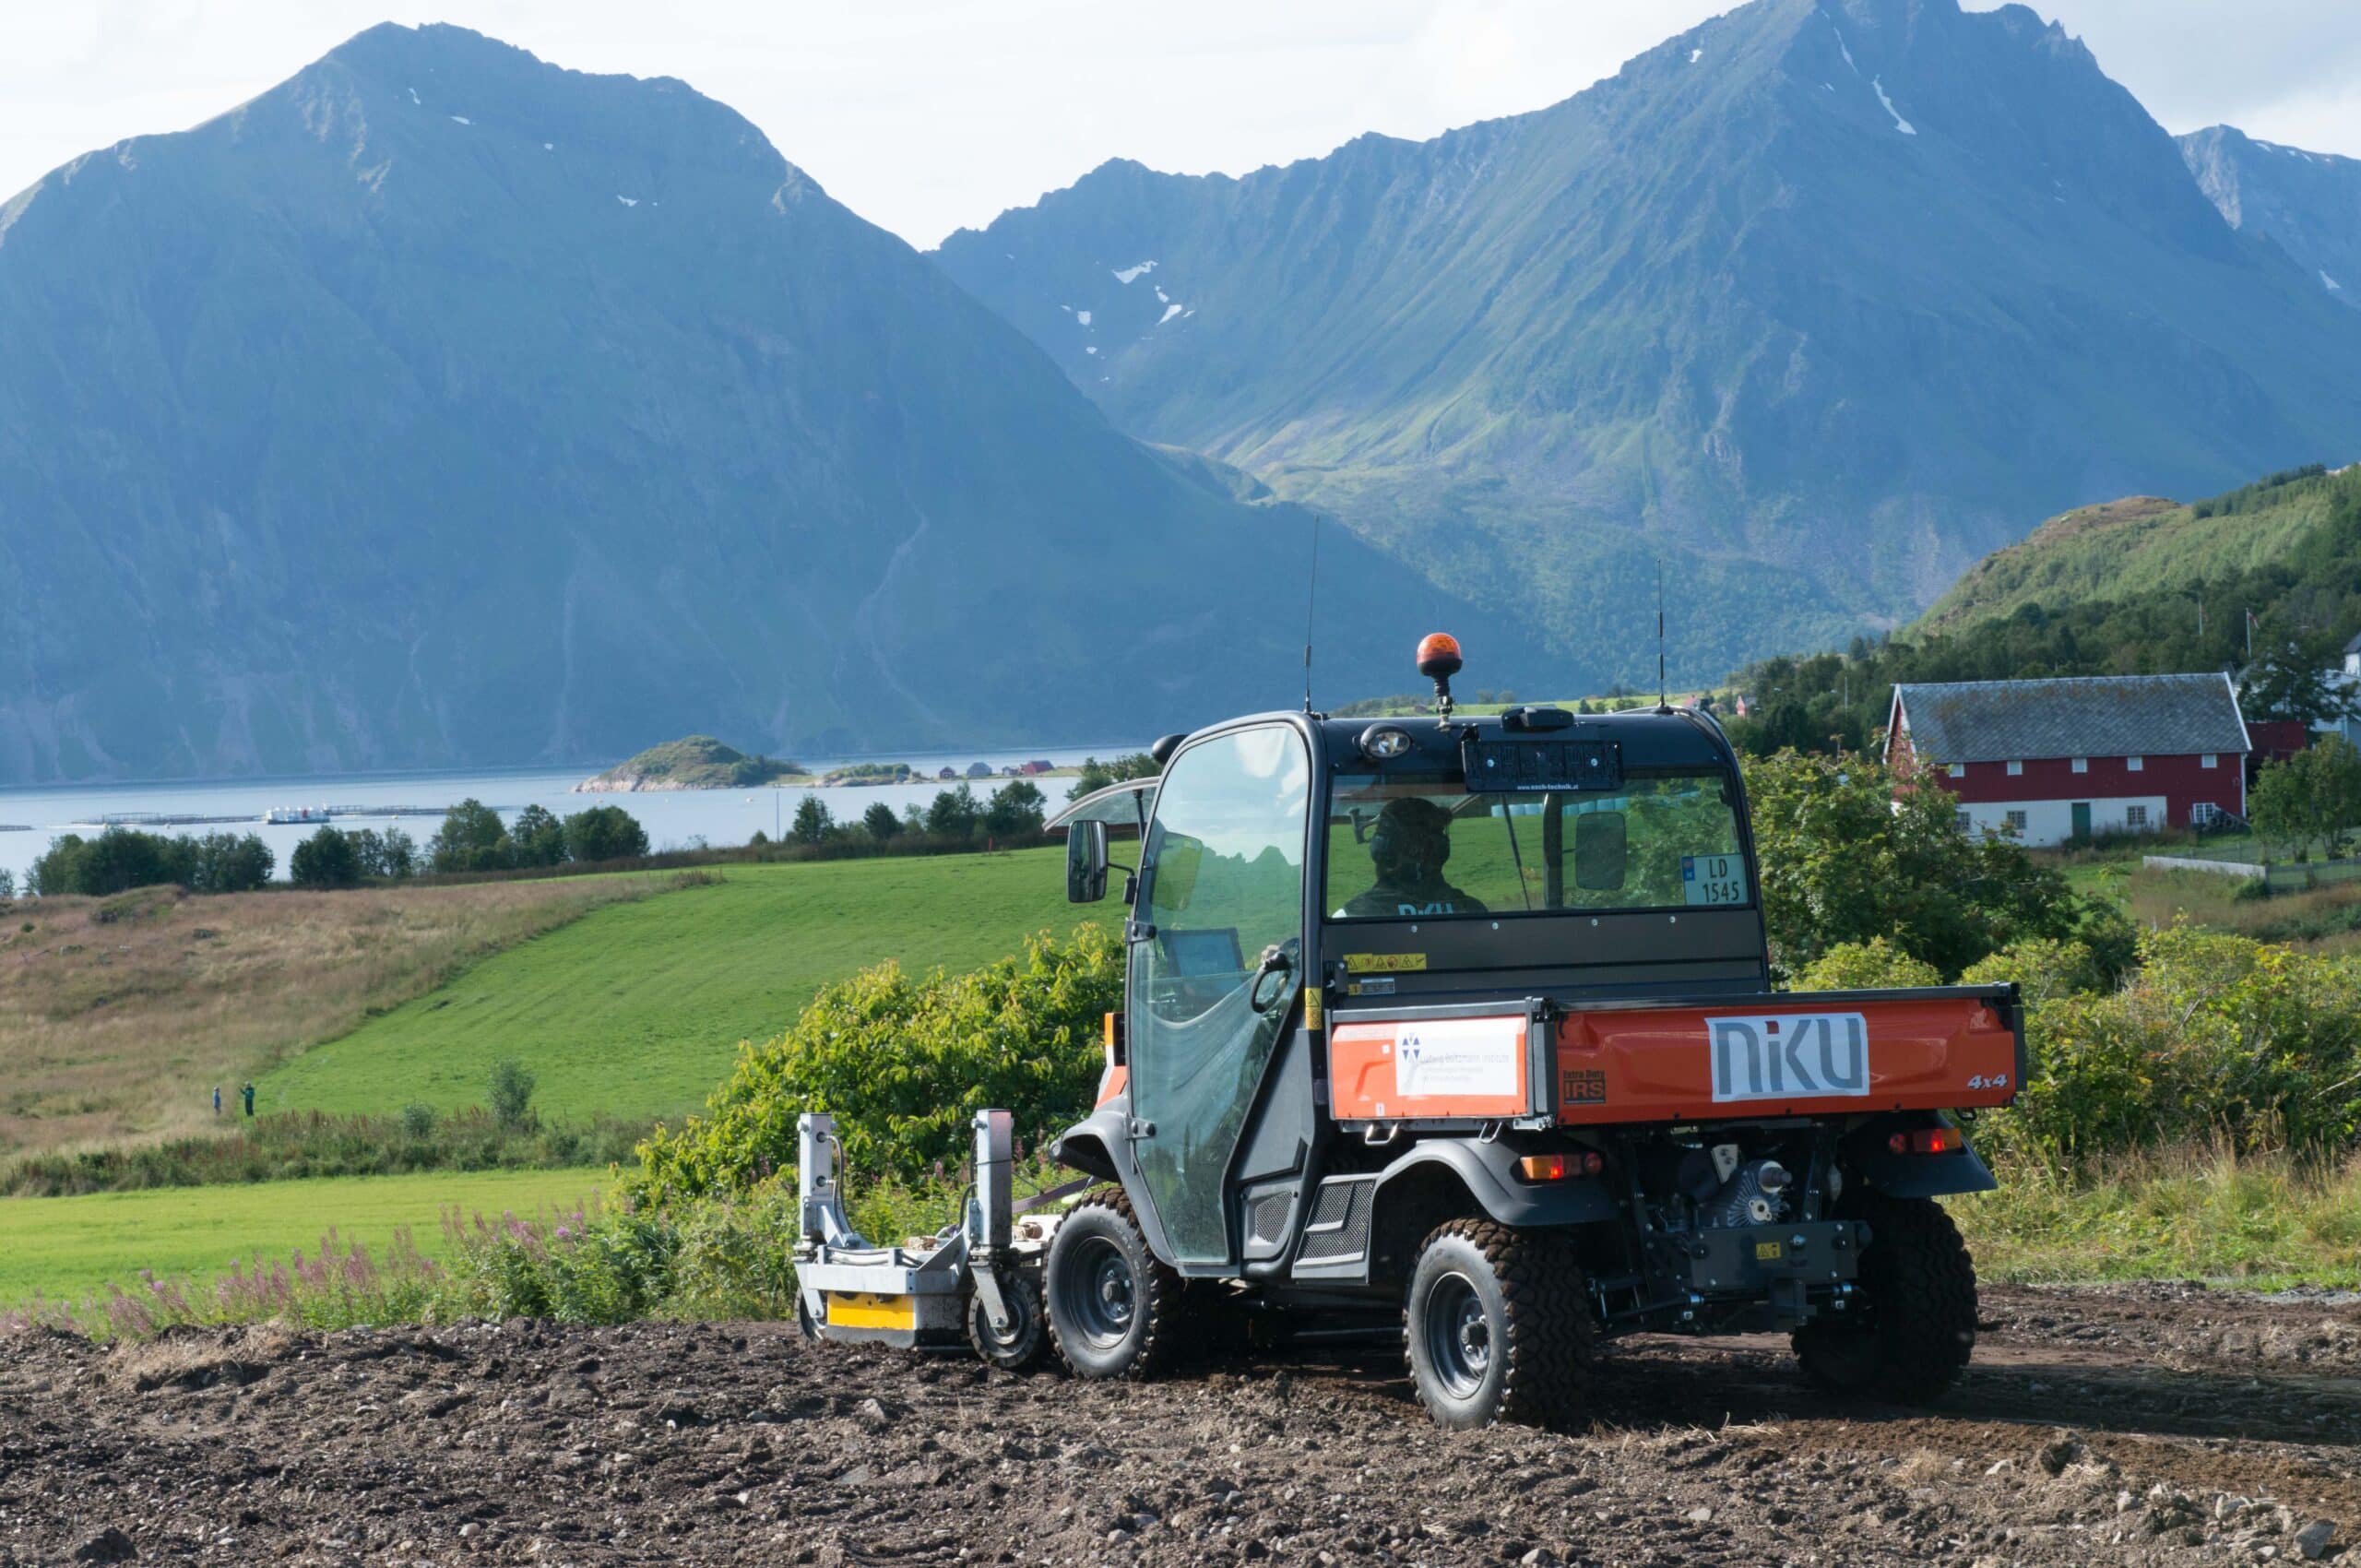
(217, 1100)
(249, 1093)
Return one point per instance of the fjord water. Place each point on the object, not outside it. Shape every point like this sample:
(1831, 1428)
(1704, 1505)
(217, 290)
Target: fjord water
(31, 819)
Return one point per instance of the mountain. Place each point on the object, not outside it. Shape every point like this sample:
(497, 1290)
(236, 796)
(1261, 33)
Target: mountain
(2310, 203)
(1816, 303)
(444, 407)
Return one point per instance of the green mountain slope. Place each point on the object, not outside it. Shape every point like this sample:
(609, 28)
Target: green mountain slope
(440, 407)
(2308, 203)
(2136, 587)
(1816, 302)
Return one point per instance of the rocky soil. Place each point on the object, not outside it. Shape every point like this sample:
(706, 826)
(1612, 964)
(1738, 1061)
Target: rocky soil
(2162, 1424)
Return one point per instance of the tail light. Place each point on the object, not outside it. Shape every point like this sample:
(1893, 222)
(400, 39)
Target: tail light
(1559, 1167)
(1928, 1140)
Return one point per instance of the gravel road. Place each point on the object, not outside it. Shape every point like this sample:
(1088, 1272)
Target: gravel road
(2156, 1424)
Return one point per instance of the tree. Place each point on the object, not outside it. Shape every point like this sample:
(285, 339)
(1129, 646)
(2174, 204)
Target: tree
(472, 839)
(2292, 679)
(227, 862)
(401, 855)
(881, 822)
(605, 833)
(1015, 807)
(1097, 775)
(2312, 797)
(538, 835)
(1846, 857)
(8, 885)
(812, 821)
(325, 859)
(952, 813)
(511, 1092)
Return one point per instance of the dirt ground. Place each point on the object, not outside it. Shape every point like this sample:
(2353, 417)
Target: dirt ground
(2158, 1424)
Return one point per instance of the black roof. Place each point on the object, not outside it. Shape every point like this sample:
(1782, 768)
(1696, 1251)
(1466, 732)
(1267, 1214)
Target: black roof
(1679, 738)
(2078, 716)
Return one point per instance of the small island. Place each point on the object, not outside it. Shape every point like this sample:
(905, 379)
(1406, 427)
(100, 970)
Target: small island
(698, 762)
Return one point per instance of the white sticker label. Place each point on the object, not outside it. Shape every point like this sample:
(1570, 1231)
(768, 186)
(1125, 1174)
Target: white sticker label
(1458, 1056)
(1713, 879)
(1789, 1057)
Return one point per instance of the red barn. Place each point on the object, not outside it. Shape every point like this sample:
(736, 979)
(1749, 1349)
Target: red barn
(2053, 760)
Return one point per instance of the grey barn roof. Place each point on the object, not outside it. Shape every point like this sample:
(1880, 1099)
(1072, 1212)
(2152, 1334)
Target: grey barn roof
(2082, 715)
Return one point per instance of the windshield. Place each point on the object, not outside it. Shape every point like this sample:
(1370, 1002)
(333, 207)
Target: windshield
(1404, 845)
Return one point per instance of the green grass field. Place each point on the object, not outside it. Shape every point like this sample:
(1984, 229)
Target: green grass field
(638, 1009)
(67, 1249)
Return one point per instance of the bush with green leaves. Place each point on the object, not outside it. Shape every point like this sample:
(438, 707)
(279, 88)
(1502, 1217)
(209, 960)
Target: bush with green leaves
(812, 821)
(539, 836)
(605, 833)
(954, 814)
(2214, 1039)
(2311, 798)
(881, 822)
(1016, 807)
(472, 838)
(325, 859)
(511, 1092)
(1865, 966)
(903, 1064)
(1848, 858)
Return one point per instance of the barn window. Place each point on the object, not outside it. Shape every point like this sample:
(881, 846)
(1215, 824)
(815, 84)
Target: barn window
(1957, 770)
(2209, 760)
(1964, 819)
(2202, 814)
(2081, 765)
(2135, 817)
(2016, 819)
(2134, 764)
(2016, 769)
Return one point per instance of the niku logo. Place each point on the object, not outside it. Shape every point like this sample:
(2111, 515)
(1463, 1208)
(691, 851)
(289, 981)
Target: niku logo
(1789, 1058)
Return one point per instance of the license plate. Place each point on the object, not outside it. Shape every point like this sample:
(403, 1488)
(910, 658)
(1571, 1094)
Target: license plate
(1713, 879)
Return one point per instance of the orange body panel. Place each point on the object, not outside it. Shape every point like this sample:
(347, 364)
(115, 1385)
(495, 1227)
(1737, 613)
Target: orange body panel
(1419, 1069)
(1112, 1082)
(1666, 1065)
(1819, 1054)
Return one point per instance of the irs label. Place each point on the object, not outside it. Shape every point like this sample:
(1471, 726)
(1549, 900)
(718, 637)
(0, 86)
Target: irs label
(1792, 1056)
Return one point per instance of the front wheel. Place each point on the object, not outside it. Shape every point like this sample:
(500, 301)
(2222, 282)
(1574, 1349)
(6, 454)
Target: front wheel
(1114, 1309)
(1498, 1326)
(1917, 1325)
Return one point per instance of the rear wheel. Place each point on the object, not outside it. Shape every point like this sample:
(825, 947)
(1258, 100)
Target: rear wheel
(1919, 1294)
(1114, 1309)
(1497, 1326)
(1020, 1345)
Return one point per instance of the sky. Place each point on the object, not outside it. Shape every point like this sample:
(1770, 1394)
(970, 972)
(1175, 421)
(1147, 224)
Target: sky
(926, 115)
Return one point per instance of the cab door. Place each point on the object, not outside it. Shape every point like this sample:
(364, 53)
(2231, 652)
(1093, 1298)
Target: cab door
(1217, 961)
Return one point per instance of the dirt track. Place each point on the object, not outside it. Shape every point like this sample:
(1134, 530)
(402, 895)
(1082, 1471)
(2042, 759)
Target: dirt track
(2159, 1424)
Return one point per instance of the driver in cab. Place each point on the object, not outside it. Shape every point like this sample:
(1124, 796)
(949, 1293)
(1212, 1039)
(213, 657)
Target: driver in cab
(1410, 845)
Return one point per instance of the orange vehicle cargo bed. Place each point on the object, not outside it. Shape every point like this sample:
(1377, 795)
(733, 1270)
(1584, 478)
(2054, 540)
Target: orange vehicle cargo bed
(1786, 1053)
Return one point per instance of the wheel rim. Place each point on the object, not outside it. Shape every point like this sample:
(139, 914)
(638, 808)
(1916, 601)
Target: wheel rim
(1020, 1315)
(1458, 1336)
(1104, 1298)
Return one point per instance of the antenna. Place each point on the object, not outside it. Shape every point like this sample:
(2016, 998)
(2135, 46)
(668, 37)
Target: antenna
(1662, 705)
(1311, 599)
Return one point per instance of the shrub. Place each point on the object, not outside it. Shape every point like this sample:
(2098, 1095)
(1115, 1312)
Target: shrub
(418, 1122)
(812, 821)
(472, 839)
(511, 1092)
(2214, 1039)
(881, 822)
(904, 1065)
(325, 859)
(2043, 969)
(1015, 807)
(1866, 965)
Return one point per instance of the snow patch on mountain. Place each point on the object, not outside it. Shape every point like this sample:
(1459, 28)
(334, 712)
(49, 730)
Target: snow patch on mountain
(1126, 274)
(1904, 126)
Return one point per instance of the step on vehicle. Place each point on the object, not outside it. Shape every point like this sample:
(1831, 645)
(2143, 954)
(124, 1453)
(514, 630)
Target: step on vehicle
(1468, 1022)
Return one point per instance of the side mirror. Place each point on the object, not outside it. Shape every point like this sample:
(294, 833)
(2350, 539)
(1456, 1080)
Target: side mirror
(1086, 862)
(1601, 847)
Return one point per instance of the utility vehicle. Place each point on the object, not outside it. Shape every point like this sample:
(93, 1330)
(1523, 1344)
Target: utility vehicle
(1470, 1020)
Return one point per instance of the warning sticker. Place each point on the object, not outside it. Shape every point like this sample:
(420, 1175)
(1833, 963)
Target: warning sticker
(1458, 1056)
(1383, 963)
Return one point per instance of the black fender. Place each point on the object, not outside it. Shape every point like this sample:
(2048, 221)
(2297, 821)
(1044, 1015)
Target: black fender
(1913, 1175)
(1090, 1143)
(1486, 1170)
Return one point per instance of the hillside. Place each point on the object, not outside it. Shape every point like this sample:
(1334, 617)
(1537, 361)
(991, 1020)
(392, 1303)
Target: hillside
(2139, 545)
(694, 762)
(1819, 302)
(2307, 202)
(2105, 590)
(444, 407)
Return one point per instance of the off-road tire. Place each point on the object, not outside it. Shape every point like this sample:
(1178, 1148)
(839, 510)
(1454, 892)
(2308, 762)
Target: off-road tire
(1098, 1334)
(1028, 1338)
(1918, 1292)
(1532, 1317)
